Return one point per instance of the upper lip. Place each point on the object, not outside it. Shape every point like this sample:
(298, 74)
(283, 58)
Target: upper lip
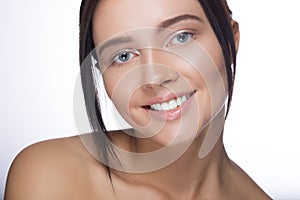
(167, 98)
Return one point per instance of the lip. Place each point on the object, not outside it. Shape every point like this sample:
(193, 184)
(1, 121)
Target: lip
(167, 98)
(172, 114)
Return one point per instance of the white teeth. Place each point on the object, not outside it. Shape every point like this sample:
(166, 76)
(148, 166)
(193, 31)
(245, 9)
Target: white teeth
(179, 101)
(184, 99)
(155, 107)
(159, 108)
(165, 106)
(171, 104)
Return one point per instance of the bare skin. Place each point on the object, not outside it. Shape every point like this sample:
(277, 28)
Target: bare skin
(64, 169)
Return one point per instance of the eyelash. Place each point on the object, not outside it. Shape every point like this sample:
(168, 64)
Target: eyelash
(191, 33)
(116, 56)
(134, 52)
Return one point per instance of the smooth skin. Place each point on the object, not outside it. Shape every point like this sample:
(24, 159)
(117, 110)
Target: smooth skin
(64, 169)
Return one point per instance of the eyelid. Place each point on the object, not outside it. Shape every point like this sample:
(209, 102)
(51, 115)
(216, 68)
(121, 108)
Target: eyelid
(122, 51)
(173, 35)
(114, 56)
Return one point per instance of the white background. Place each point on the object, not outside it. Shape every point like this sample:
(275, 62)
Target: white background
(39, 65)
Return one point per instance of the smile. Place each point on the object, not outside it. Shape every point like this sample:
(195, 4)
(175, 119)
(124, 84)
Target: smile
(171, 107)
(174, 103)
(171, 104)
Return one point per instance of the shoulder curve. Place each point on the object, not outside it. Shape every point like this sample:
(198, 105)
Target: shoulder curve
(48, 153)
(49, 170)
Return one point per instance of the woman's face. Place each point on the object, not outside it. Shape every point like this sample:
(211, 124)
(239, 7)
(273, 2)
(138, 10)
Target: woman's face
(162, 65)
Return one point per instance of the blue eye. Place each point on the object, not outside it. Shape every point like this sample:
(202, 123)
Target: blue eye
(181, 38)
(124, 56)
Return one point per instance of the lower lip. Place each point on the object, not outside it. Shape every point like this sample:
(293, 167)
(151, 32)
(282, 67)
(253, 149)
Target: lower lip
(173, 114)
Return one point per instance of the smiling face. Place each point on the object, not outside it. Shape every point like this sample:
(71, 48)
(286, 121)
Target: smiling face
(162, 65)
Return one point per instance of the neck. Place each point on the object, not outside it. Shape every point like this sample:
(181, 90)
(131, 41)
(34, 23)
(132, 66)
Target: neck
(190, 176)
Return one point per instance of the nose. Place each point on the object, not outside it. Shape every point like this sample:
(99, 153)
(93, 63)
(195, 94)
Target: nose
(158, 69)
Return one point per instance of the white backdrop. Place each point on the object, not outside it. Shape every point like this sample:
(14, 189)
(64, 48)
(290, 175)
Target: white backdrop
(39, 65)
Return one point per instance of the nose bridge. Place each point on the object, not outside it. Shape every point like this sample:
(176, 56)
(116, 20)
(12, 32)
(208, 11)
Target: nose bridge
(157, 69)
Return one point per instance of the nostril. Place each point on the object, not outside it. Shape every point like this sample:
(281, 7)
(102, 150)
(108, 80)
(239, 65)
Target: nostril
(148, 86)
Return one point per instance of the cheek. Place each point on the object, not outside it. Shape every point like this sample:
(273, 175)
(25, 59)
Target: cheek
(122, 86)
(111, 78)
(113, 85)
(214, 50)
(209, 77)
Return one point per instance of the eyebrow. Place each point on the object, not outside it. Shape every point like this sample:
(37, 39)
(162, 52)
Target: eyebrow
(114, 41)
(165, 24)
(169, 22)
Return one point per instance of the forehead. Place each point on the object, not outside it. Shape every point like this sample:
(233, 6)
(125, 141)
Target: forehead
(112, 17)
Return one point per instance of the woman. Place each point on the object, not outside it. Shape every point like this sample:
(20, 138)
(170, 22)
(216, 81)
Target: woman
(169, 70)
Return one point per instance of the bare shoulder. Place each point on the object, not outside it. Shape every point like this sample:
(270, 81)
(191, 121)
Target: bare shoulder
(55, 169)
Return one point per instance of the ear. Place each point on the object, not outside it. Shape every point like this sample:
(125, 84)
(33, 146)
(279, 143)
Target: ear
(236, 34)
